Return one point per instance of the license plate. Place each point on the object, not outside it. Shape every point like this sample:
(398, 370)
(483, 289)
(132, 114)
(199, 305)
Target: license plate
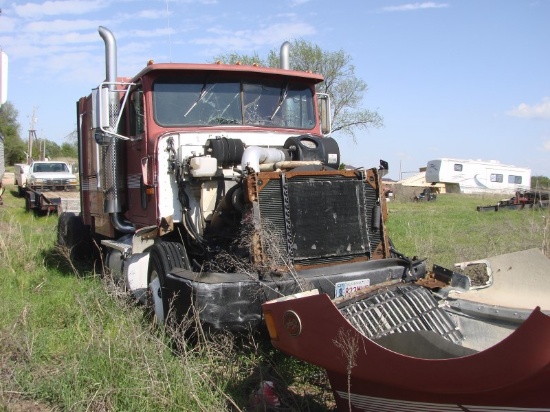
(345, 288)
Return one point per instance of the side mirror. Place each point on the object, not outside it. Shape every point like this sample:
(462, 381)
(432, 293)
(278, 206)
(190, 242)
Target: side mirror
(100, 104)
(323, 103)
(107, 110)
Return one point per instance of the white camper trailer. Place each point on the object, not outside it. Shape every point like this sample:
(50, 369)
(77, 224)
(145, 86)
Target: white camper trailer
(477, 176)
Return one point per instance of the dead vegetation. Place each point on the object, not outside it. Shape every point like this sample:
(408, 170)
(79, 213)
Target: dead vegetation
(268, 261)
(477, 272)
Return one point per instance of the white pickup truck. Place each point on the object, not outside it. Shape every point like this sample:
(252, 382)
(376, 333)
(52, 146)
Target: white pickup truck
(45, 184)
(20, 172)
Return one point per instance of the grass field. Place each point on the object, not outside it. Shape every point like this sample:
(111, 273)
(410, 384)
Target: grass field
(451, 230)
(71, 340)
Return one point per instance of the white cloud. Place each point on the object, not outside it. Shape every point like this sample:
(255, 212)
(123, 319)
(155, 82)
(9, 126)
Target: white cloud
(61, 26)
(70, 39)
(56, 8)
(267, 36)
(295, 3)
(8, 24)
(536, 111)
(152, 14)
(416, 6)
(151, 33)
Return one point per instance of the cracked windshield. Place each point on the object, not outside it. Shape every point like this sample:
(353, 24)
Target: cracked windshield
(210, 103)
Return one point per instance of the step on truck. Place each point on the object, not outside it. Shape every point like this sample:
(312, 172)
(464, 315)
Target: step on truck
(212, 188)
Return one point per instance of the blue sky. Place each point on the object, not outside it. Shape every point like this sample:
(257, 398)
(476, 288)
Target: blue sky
(459, 78)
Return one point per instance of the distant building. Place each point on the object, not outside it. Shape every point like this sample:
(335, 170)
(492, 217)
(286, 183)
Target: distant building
(477, 176)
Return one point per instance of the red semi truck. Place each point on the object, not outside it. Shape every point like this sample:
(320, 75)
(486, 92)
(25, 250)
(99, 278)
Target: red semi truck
(213, 188)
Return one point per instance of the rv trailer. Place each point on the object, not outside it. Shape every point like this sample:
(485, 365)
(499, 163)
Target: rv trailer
(478, 176)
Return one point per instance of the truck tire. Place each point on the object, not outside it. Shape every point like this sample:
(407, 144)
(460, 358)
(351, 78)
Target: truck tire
(164, 256)
(70, 229)
(74, 235)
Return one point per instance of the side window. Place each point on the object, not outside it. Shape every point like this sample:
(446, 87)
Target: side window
(458, 167)
(514, 179)
(497, 177)
(137, 123)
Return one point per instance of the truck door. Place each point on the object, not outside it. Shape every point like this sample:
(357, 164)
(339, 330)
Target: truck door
(139, 203)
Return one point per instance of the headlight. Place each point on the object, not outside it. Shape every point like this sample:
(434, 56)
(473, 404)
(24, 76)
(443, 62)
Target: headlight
(36, 180)
(73, 181)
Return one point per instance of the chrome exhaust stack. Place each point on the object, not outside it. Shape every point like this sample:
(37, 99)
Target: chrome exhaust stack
(284, 59)
(112, 203)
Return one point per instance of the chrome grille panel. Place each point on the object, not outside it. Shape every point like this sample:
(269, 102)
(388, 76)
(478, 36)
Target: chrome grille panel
(403, 308)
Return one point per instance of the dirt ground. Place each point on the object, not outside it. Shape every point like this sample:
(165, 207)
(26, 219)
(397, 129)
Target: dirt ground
(8, 179)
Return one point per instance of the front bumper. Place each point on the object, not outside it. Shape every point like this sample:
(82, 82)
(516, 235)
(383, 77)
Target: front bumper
(53, 187)
(232, 301)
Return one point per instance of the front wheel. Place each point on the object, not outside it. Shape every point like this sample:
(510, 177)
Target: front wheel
(164, 256)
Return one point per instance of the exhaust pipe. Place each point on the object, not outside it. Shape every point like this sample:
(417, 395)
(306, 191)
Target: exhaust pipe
(110, 55)
(110, 153)
(284, 59)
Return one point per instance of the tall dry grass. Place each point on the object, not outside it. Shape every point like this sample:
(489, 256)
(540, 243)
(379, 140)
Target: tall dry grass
(72, 339)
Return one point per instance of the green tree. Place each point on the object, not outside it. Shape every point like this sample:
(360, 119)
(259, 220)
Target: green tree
(52, 150)
(237, 58)
(344, 88)
(14, 147)
(42, 147)
(69, 150)
(540, 182)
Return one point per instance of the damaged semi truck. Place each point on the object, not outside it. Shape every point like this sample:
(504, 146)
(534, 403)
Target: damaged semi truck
(214, 188)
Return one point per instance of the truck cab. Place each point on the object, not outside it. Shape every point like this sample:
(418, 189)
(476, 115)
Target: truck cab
(212, 188)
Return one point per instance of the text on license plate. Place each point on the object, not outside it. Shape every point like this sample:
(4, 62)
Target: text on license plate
(345, 288)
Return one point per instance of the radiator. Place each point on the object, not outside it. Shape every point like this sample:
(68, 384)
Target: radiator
(317, 218)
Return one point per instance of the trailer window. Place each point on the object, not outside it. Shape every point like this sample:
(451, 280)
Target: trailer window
(514, 179)
(497, 178)
(458, 167)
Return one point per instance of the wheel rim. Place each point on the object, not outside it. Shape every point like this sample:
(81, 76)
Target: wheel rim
(155, 290)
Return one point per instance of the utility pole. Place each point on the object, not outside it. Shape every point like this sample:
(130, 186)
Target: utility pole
(32, 137)
(42, 146)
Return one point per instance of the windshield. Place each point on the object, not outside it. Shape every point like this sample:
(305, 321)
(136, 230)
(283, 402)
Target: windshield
(49, 167)
(213, 102)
